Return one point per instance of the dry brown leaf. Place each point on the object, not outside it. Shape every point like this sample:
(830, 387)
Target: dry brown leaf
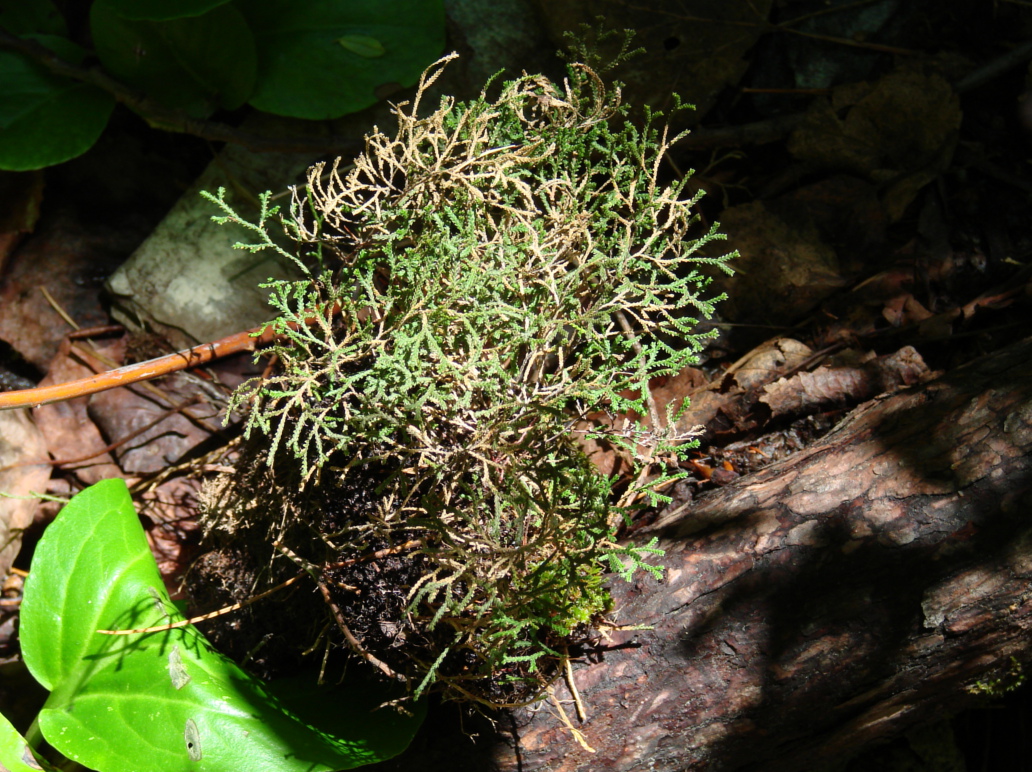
(169, 515)
(120, 413)
(765, 363)
(69, 431)
(904, 310)
(724, 407)
(940, 325)
(720, 407)
(20, 442)
(900, 135)
(831, 386)
(847, 213)
(20, 196)
(784, 269)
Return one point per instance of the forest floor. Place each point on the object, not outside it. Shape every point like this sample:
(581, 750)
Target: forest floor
(884, 232)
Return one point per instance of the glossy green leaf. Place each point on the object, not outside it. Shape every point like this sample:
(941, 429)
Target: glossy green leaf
(305, 70)
(195, 64)
(15, 753)
(162, 700)
(23, 17)
(46, 119)
(158, 10)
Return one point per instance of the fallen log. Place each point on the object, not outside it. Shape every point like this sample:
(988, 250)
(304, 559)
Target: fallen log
(861, 587)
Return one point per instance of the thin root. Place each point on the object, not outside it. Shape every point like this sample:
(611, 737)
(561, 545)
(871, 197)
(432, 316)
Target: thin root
(569, 724)
(203, 617)
(353, 642)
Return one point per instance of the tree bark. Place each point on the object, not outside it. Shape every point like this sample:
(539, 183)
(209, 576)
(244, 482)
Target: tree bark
(853, 591)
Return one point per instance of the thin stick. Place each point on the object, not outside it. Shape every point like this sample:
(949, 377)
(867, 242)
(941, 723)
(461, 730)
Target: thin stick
(93, 356)
(248, 340)
(141, 371)
(353, 642)
(60, 311)
(99, 363)
(95, 332)
(203, 617)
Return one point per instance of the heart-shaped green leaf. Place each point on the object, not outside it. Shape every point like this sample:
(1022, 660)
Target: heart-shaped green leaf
(32, 16)
(157, 10)
(46, 119)
(15, 753)
(320, 59)
(162, 700)
(196, 64)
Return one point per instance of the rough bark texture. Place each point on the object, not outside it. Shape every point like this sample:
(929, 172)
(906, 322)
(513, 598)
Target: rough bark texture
(840, 597)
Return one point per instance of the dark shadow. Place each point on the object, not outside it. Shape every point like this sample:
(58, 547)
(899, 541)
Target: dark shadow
(852, 605)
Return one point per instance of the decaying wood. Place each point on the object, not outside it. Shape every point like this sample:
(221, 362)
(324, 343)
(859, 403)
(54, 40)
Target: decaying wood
(835, 599)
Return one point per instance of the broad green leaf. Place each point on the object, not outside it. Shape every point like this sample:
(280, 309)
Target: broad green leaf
(196, 64)
(46, 119)
(159, 10)
(163, 700)
(15, 753)
(309, 69)
(23, 17)
(363, 45)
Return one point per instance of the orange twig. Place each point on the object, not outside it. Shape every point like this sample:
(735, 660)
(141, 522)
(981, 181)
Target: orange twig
(95, 332)
(248, 340)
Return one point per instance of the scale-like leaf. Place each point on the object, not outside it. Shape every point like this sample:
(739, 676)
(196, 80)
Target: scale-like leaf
(162, 700)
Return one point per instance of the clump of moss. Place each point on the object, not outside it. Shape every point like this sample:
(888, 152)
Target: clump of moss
(475, 285)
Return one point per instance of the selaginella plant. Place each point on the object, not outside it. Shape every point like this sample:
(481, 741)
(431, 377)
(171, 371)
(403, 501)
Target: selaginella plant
(475, 285)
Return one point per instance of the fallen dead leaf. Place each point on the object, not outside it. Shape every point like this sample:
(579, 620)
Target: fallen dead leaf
(20, 442)
(719, 407)
(905, 310)
(832, 386)
(847, 213)
(765, 363)
(20, 196)
(169, 516)
(784, 269)
(154, 434)
(70, 433)
(900, 135)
